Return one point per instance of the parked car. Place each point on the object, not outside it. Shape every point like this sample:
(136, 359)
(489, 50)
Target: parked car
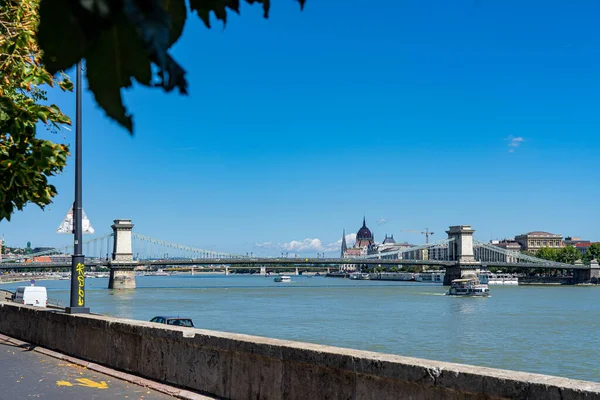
(176, 321)
(31, 296)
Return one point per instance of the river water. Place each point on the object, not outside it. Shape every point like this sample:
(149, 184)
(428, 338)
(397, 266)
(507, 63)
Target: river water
(544, 329)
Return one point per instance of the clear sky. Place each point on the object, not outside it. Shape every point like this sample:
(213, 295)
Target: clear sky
(415, 113)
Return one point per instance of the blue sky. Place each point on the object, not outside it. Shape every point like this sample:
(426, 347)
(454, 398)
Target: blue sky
(419, 114)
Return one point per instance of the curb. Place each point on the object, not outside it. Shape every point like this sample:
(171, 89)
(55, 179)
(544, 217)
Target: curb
(124, 376)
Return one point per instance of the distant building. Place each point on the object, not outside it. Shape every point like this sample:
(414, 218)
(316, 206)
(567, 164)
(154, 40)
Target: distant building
(364, 242)
(507, 244)
(344, 245)
(57, 258)
(61, 258)
(578, 243)
(533, 241)
(388, 248)
(364, 237)
(575, 240)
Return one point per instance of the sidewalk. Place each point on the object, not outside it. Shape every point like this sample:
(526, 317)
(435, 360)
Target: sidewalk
(28, 371)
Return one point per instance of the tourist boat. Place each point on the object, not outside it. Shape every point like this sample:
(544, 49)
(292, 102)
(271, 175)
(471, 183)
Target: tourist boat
(430, 277)
(468, 286)
(282, 278)
(360, 276)
(489, 278)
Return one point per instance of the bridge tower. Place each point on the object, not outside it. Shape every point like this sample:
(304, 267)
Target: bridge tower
(460, 250)
(122, 275)
(586, 273)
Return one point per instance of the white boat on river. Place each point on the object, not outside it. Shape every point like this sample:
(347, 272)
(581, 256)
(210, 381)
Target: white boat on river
(282, 279)
(468, 286)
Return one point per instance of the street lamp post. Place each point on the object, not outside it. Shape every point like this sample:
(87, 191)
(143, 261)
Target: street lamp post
(77, 301)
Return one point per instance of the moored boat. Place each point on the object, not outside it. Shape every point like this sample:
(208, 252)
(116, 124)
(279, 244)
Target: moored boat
(160, 272)
(360, 276)
(490, 278)
(430, 277)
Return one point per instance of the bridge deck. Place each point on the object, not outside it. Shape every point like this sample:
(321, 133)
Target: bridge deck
(241, 263)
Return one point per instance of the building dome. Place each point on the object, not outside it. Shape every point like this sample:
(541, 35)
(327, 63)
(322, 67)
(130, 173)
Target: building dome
(364, 237)
(389, 239)
(364, 232)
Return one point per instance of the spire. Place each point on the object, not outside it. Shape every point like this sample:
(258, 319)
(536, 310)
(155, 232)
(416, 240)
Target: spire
(364, 222)
(344, 245)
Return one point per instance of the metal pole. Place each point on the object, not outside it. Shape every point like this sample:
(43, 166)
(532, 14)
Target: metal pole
(77, 303)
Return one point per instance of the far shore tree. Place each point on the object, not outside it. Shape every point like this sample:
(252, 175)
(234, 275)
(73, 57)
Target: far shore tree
(593, 252)
(568, 255)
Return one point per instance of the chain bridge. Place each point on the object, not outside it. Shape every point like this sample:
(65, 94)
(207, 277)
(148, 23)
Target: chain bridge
(123, 250)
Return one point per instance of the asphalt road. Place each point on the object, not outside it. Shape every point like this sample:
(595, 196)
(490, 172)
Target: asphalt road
(25, 374)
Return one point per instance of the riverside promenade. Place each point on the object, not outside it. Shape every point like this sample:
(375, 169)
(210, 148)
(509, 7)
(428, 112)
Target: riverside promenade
(234, 366)
(27, 373)
(31, 371)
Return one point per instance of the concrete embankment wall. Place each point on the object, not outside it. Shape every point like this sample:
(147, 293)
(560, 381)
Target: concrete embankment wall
(247, 367)
(545, 280)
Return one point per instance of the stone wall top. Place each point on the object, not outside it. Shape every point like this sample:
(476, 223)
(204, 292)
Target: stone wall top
(242, 366)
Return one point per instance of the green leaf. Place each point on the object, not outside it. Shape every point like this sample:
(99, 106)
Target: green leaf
(178, 13)
(60, 35)
(66, 85)
(117, 57)
(218, 7)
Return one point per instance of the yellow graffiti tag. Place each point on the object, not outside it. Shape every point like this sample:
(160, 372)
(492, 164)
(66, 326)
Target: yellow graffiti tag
(63, 383)
(81, 282)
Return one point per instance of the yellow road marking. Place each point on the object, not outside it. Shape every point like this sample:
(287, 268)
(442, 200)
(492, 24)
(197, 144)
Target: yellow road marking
(84, 382)
(90, 383)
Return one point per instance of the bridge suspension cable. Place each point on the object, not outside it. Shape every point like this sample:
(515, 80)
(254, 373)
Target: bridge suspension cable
(432, 251)
(147, 248)
(487, 252)
(92, 248)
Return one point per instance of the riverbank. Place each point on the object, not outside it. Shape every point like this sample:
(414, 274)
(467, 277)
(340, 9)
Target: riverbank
(24, 279)
(348, 313)
(241, 366)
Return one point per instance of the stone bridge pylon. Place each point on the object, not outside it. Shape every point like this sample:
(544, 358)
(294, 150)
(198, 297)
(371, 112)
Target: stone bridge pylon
(460, 249)
(122, 274)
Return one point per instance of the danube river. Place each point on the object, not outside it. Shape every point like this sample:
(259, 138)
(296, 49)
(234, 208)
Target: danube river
(544, 329)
